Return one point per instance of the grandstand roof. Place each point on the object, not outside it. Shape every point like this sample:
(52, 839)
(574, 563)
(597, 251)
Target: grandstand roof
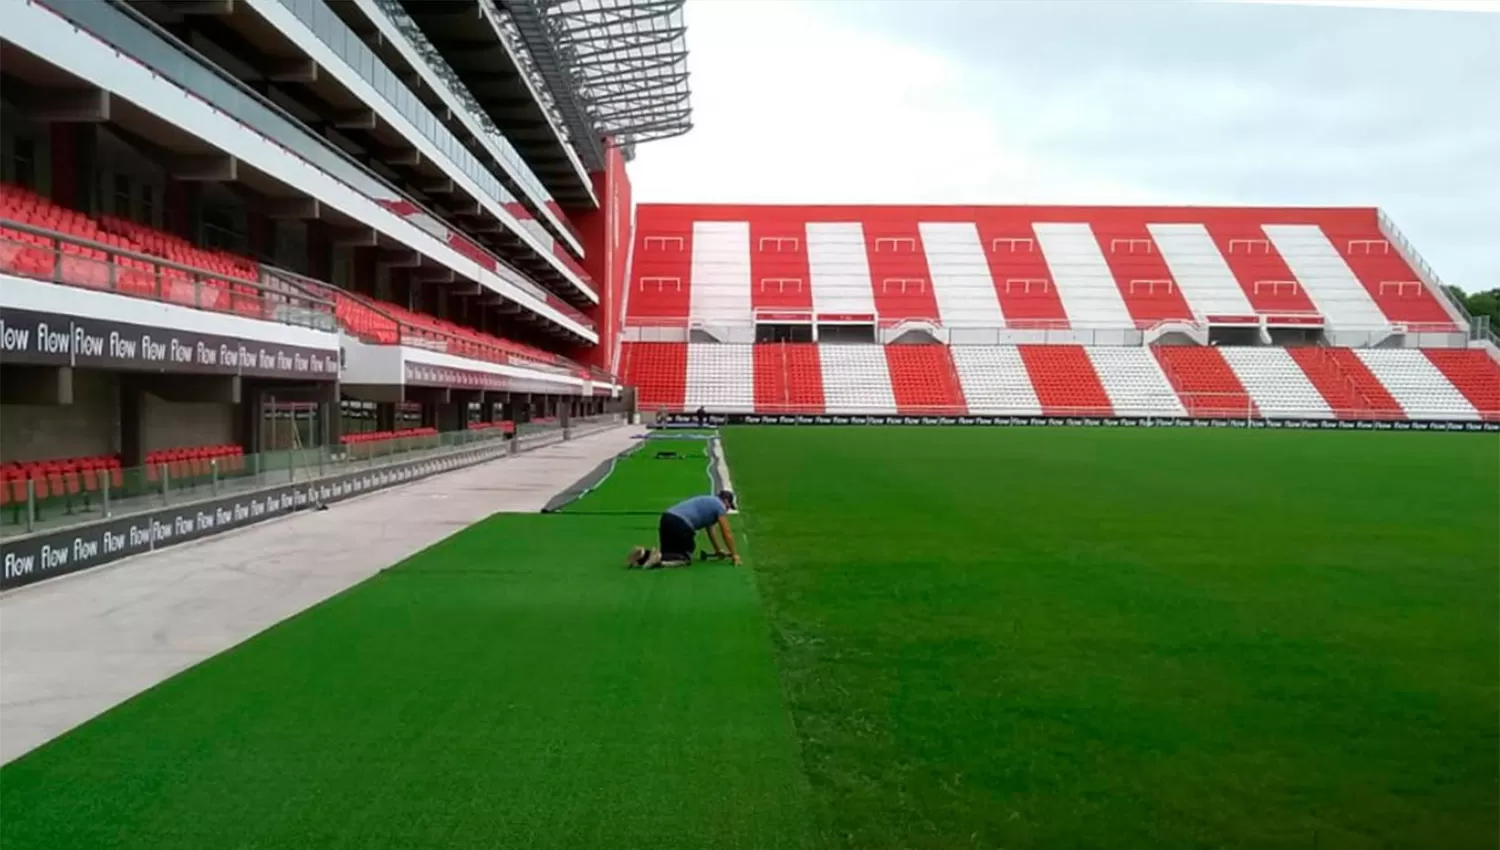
(616, 69)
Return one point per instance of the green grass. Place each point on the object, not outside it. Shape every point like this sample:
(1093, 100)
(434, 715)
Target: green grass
(948, 638)
(1080, 638)
(512, 686)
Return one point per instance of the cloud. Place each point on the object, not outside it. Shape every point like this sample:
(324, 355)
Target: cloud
(947, 101)
(1387, 5)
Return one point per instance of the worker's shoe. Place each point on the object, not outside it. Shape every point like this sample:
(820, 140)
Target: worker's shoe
(642, 558)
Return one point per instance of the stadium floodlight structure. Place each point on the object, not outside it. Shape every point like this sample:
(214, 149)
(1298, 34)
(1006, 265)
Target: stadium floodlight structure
(616, 69)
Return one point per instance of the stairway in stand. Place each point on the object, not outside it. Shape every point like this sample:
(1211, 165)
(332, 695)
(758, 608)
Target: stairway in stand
(1065, 381)
(923, 379)
(788, 378)
(1343, 395)
(1207, 384)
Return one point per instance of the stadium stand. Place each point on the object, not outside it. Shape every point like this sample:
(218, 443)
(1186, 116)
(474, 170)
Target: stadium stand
(207, 275)
(992, 267)
(1067, 380)
(1071, 311)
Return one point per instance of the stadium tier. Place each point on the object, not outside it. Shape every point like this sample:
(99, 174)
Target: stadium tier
(1246, 313)
(1344, 272)
(1066, 380)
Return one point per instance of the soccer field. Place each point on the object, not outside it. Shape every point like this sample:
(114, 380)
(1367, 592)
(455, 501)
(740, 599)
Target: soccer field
(944, 638)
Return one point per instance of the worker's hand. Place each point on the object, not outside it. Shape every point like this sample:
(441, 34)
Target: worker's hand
(735, 559)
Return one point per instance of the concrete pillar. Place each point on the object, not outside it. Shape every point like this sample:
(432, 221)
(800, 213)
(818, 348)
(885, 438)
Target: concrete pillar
(132, 421)
(332, 414)
(364, 276)
(176, 215)
(192, 226)
(385, 416)
(260, 234)
(319, 251)
(64, 157)
(453, 416)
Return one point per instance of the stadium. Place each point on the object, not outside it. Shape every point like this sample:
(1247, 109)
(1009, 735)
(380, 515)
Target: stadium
(339, 367)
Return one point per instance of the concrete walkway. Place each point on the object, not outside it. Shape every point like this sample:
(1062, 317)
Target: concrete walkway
(76, 646)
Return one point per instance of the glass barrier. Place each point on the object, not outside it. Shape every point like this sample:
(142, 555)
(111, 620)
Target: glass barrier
(146, 43)
(49, 495)
(32, 252)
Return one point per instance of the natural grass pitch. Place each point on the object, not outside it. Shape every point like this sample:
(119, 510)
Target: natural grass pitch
(1146, 639)
(944, 638)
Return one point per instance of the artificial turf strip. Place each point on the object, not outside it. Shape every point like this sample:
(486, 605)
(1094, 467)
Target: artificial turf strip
(1072, 638)
(642, 483)
(512, 686)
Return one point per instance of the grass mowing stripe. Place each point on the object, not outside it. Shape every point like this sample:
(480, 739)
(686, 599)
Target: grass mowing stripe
(512, 686)
(1097, 638)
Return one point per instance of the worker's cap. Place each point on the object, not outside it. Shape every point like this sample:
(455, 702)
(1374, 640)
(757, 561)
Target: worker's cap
(727, 497)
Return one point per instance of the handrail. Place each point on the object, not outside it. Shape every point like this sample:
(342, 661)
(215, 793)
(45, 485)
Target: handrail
(409, 333)
(1327, 357)
(1144, 325)
(153, 259)
(154, 265)
(273, 285)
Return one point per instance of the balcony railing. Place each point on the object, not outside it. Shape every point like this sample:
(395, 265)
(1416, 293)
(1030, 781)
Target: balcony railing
(382, 324)
(278, 295)
(32, 252)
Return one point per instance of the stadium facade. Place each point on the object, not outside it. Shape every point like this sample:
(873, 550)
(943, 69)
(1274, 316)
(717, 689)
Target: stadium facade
(254, 245)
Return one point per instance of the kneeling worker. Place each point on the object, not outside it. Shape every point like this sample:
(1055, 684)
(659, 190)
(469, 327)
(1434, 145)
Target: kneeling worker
(678, 529)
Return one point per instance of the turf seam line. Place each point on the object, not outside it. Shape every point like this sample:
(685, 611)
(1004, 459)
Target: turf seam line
(580, 488)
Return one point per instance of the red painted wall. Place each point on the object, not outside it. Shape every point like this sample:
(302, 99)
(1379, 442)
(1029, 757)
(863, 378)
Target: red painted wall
(606, 233)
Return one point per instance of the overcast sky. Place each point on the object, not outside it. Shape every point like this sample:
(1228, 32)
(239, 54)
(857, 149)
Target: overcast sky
(1117, 102)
